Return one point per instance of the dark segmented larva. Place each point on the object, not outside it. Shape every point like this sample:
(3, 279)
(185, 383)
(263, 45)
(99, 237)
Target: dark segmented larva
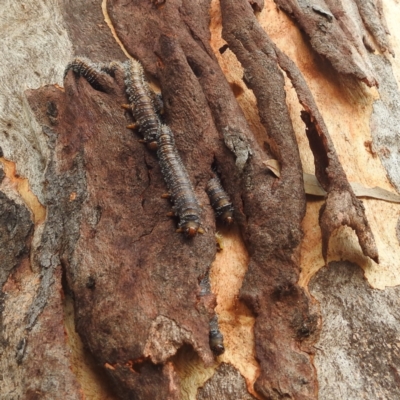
(180, 189)
(141, 100)
(86, 68)
(216, 339)
(219, 200)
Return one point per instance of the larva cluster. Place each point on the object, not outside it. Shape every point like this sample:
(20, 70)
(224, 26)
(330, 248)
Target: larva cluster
(180, 189)
(145, 107)
(141, 99)
(219, 200)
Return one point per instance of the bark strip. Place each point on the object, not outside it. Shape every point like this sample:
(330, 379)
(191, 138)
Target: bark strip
(133, 279)
(341, 207)
(340, 37)
(201, 108)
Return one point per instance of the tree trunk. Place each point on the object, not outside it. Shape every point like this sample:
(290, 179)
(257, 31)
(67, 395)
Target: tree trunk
(102, 299)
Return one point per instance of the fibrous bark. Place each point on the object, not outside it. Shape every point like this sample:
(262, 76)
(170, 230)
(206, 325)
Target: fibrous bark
(32, 337)
(134, 282)
(272, 230)
(343, 40)
(121, 286)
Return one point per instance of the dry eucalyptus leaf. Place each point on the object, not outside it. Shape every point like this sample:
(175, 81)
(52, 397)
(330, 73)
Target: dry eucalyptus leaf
(273, 166)
(375, 192)
(312, 186)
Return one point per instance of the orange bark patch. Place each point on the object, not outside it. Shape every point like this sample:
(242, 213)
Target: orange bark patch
(22, 187)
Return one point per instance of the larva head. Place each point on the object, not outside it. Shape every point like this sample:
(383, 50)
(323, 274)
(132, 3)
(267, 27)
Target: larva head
(152, 145)
(190, 228)
(227, 217)
(216, 344)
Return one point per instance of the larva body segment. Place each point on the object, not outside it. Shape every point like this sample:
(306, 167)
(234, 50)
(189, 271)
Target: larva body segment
(182, 194)
(85, 68)
(219, 200)
(216, 339)
(141, 99)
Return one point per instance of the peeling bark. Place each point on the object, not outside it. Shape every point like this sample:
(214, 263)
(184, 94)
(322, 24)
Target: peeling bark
(341, 200)
(107, 244)
(270, 235)
(342, 207)
(177, 57)
(118, 214)
(38, 350)
(334, 35)
(372, 15)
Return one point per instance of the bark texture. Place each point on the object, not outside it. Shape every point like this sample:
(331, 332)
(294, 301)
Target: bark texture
(370, 335)
(333, 33)
(226, 383)
(102, 258)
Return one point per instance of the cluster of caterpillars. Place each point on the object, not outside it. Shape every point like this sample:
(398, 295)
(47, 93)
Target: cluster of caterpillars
(146, 107)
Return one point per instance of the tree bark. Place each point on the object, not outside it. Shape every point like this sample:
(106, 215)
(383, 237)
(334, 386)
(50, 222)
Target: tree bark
(101, 298)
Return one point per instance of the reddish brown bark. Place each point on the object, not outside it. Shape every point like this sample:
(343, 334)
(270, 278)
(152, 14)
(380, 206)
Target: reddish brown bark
(134, 281)
(337, 37)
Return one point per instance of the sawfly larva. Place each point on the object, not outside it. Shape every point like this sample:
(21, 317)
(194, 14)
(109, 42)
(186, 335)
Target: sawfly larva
(142, 103)
(186, 206)
(219, 200)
